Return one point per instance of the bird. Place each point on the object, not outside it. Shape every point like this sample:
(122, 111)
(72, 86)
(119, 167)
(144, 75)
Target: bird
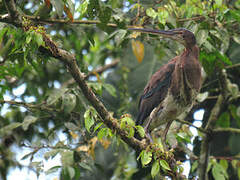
(172, 90)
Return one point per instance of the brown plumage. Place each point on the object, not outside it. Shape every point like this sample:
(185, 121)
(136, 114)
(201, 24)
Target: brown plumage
(174, 87)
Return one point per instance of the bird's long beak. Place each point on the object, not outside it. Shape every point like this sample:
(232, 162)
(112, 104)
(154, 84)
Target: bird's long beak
(173, 33)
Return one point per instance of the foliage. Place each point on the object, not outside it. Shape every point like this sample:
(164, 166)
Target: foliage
(39, 99)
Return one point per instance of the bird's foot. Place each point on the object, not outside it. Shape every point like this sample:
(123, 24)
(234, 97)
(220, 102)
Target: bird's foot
(149, 137)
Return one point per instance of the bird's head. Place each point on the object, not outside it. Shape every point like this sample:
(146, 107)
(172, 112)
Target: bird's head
(181, 35)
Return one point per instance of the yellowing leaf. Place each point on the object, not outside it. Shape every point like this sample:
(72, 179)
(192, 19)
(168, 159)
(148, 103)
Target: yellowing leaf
(91, 150)
(48, 3)
(83, 148)
(97, 76)
(135, 34)
(105, 143)
(74, 135)
(138, 50)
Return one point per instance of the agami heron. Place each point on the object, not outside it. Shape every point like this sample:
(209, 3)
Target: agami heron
(171, 90)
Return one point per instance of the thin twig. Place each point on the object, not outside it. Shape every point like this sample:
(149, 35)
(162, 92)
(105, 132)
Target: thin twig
(231, 130)
(94, 72)
(190, 124)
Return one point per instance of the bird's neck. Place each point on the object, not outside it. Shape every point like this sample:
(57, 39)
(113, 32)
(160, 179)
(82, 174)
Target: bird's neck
(191, 51)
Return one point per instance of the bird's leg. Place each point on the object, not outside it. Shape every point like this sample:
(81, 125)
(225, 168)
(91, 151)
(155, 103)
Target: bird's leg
(146, 127)
(164, 135)
(148, 135)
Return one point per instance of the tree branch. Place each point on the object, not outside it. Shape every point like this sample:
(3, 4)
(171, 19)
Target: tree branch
(231, 130)
(204, 153)
(12, 12)
(190, 124)
(31, 106)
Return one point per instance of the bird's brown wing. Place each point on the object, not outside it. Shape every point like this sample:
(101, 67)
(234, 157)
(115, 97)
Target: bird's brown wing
(155, 91)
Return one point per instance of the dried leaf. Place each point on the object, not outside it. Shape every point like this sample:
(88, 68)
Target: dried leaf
(105, 143)
(135, 34)
(48, 3)
(83, 148)
(68, 12)
(91, 150)
(74, 135)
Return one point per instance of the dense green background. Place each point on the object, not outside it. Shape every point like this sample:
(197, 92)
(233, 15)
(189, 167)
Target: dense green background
(53, 102)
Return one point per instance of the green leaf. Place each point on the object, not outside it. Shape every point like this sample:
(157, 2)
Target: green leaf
(224, 163)
(53, 170)
(128, 120)
(97, 127)
(238, 172)
(27, 155)
(82, 8)
(67, 158)
(164, 165)
(27, 121)
(71, 171)
(104, 132)
(110, 89)
(146, 157)
(151, 13)
(96, 86)
(58, 5)
(155, 169)
(39, 39)
(69, 101)
(131, 132)
(140, 130)
(202, 96)
(218, 3)
(182, 136)
(119, 37)
(194, 166)
(105, 15)
(71, 126)
(162, 15)
(7, 129)
(219, 172)
(2, 32)
(224, 120)
(85, 166)
(88, 119)
(28, 38)
(201, 36)
(51, 154)
(55, 95)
